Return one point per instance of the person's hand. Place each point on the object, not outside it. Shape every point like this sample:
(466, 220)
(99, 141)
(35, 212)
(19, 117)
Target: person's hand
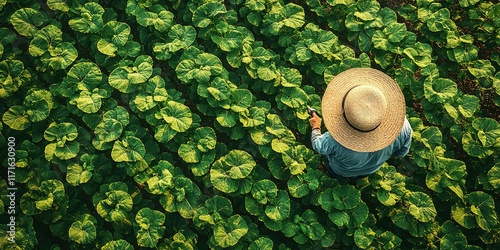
(315, 121)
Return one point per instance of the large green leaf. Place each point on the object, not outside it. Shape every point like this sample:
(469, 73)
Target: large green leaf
(125, 79)
(90, 19)
(180, 37)
(130, 149)
(293, 97)
(47, 38)
(49, 195)
(420, 206)
(482, 206)
(264, 190)
(488, 131)
(60, 57)
(115, 34)
(296, 158)
(148, 226)
(318, 40)
(83, 76)
(494, 176)
(177, 115)
(16, 118)
(291, 15)
(228, 233)
(12, 76)
(420, 54)
(161, 19)
(204, 15)
(200, 68)
(26, 21)
(439, 90)
(363, 237)
(117, 245)
(77, 174)
(279, 207)
(229, 169)
(342, 198)
(115, 205)
(162, 178)
(83, 230)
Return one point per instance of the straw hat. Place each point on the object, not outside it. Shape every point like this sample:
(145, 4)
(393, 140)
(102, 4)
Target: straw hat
(363, 109)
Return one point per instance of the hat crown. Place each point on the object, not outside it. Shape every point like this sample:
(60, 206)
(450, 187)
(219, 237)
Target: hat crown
(364, 107)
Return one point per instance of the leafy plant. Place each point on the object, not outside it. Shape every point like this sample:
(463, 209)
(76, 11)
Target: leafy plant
(183, 124)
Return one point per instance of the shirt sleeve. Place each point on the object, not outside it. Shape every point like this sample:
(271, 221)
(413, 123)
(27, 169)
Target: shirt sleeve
(321, 143)
(406, 137)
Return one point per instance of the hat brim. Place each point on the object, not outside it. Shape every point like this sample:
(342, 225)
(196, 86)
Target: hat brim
(341, 131)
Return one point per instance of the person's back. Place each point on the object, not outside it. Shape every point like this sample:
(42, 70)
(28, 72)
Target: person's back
(346, 162)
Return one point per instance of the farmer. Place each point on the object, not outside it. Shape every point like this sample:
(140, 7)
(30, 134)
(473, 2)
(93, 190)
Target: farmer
(364, 113)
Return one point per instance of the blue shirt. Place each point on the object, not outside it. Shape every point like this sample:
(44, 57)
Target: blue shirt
(349, 163)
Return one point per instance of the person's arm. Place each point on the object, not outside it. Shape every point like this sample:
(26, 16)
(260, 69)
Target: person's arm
(407, 134)
(315, 123)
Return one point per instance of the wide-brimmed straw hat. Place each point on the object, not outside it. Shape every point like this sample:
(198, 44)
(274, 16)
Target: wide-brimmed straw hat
(363, 109)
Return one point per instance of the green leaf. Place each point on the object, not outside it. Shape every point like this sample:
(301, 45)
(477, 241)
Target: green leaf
(16, 118)
(261, 243)
(309, 225)
(420, 54)
(488, 131)
(115, 34)
(12, 76)
(264, 190)
(90, 102)
(293, 97)
(114, 205)
(482, 206)
(481, 68)
(162, 179)
(177, 115)
(161, 21)
(60, 57)
(90, 19)
(77, 174)
(318, 40)
(494, 176)
(83, 230)
(228, 233)
(130, 149)
(180, 37)
(117, 245)
(439, 90)
(204, 14)
(293, 15)
(47, 38)
(241, 100)
(84, 76)
(279, 208)
(363, 237)
(228, 169)
(342, 198)
(396, 32)
(26, 21)
(148, 226)
(126, 78)
(296, 158)
(253, 117)
(58, 5)
(420, 206)
(467, 105)
(201, 68)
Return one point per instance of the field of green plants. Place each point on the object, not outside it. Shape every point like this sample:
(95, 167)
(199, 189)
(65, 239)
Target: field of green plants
(173, 124)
